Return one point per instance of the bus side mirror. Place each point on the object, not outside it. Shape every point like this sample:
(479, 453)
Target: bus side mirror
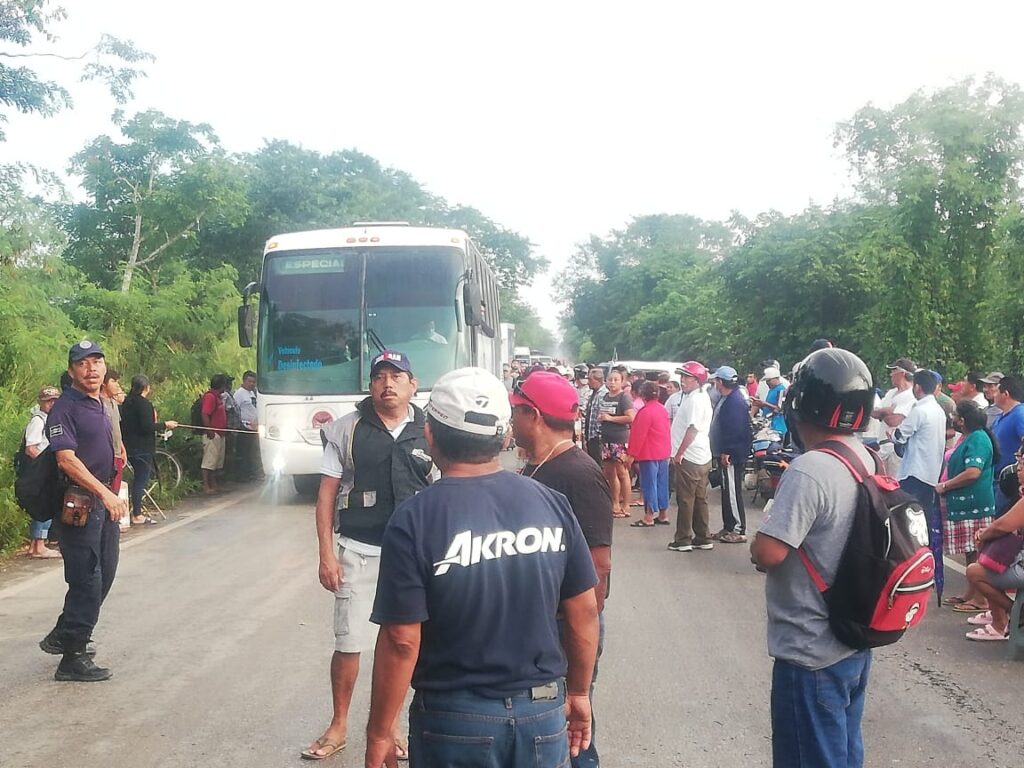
(246, 325)
(472, 301)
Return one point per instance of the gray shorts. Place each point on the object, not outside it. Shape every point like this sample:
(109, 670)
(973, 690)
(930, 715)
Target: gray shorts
(353, 602)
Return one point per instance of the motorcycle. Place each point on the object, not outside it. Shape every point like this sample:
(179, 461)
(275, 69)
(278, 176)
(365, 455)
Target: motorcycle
(769, 458)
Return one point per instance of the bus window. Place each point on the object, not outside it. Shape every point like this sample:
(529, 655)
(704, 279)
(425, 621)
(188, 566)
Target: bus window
(309, 325)
(410, 306)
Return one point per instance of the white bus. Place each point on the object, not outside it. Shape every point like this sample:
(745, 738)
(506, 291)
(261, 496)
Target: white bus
(330, 300)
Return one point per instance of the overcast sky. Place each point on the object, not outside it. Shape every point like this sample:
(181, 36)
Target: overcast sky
(556, 119)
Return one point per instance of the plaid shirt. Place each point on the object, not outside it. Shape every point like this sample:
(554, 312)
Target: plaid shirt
(591, 424)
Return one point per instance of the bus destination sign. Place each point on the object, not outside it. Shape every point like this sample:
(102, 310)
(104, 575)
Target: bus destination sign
(306, 265)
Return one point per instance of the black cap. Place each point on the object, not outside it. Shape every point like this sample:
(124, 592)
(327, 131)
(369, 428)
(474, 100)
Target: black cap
(84, 349)
(904, 364)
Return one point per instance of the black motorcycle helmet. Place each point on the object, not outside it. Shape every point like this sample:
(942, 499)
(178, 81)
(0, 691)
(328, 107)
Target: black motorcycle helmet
(831, 388)
(1008, 482)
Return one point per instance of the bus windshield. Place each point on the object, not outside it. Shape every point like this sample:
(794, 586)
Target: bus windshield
(325, 314)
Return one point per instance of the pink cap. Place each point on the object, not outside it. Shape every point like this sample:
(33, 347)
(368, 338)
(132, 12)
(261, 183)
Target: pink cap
(549, 393)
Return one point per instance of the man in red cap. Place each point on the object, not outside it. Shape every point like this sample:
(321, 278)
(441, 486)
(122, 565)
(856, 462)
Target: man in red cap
(544, 411)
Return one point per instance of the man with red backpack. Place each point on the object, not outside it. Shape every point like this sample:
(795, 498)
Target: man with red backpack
(824, 606)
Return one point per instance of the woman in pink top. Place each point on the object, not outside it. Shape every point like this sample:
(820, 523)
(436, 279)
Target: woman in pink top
(650, 444)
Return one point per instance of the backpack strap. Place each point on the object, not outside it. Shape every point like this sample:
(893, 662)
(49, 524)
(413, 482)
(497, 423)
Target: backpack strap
(845, 455)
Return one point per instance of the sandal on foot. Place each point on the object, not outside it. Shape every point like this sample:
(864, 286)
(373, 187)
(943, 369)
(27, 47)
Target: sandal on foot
(641, 524)
(311, 753)
(986, 633)
(968, 607)
(981, 619)
(620, 514)
(401, 750)
(661, 522)
(951, 601)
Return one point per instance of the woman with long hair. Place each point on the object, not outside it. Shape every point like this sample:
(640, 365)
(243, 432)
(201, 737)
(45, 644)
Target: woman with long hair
(615, 415)
(138, 429)
(970, 499)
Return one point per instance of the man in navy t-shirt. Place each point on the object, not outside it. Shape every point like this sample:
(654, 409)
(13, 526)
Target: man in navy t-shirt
(473, 571)
(80, 435)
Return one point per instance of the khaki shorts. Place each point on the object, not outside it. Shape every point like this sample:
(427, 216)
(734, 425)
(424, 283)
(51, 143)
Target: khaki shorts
(353, 603)
(213, 452)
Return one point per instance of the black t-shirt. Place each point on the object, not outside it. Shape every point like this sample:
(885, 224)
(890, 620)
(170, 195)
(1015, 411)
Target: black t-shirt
(615, 405)
(577, 476)
(483, 563)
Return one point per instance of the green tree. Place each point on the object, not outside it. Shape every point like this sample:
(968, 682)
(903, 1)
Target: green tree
(23, 23)
(646, 291)
(292, 189)
(946, 166)
(149, 195)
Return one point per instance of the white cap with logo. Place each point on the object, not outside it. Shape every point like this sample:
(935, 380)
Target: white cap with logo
(471, 400)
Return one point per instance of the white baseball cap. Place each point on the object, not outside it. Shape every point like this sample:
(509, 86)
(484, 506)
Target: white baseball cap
(772, 373)
(471, 400)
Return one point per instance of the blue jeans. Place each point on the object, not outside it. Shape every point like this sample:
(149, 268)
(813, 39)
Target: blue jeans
(39, 530)
(816, 715)
(142, 463)
(463, 728)
(654, 484)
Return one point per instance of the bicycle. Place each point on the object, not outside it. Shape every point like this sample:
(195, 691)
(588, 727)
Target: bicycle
(165, 476)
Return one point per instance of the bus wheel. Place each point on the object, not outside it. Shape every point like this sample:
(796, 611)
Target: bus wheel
(306, 485)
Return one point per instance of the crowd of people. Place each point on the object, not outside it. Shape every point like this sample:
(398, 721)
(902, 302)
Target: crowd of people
(484, 589)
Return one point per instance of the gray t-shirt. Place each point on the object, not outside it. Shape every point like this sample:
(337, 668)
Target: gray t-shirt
(813, 508)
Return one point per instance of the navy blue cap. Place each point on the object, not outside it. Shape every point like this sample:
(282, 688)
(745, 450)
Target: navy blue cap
(84, 349)
(390, 357)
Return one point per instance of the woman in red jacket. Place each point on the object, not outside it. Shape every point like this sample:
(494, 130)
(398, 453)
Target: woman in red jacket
(650, 444)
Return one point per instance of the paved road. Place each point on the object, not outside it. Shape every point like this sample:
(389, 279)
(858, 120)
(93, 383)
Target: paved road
(219, 635)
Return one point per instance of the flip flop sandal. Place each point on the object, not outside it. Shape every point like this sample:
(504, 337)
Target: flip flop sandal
(662, 522)
(986, 634)
(401, 751)
(981, 619)
(968, 608)
(641, 524)
(322, 743)
(953, 601)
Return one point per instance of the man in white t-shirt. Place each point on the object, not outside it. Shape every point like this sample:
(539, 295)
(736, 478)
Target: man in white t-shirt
(691, 460)
(35, 444)
(893, 409)
(247, 447)
(923, 433)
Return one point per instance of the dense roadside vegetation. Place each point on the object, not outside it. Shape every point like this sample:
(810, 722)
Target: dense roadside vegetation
(927, 259)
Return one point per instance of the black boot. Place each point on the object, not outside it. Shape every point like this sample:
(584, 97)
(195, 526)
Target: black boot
(77, 666)
(53, 644)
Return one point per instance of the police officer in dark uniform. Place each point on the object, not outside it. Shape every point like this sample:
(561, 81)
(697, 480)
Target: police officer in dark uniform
(80, 435)
(374, 458)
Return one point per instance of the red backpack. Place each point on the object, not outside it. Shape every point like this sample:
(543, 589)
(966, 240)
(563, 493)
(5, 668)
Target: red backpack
(886, 571)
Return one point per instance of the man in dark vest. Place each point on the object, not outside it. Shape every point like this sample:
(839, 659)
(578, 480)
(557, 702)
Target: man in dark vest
(374, 458)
